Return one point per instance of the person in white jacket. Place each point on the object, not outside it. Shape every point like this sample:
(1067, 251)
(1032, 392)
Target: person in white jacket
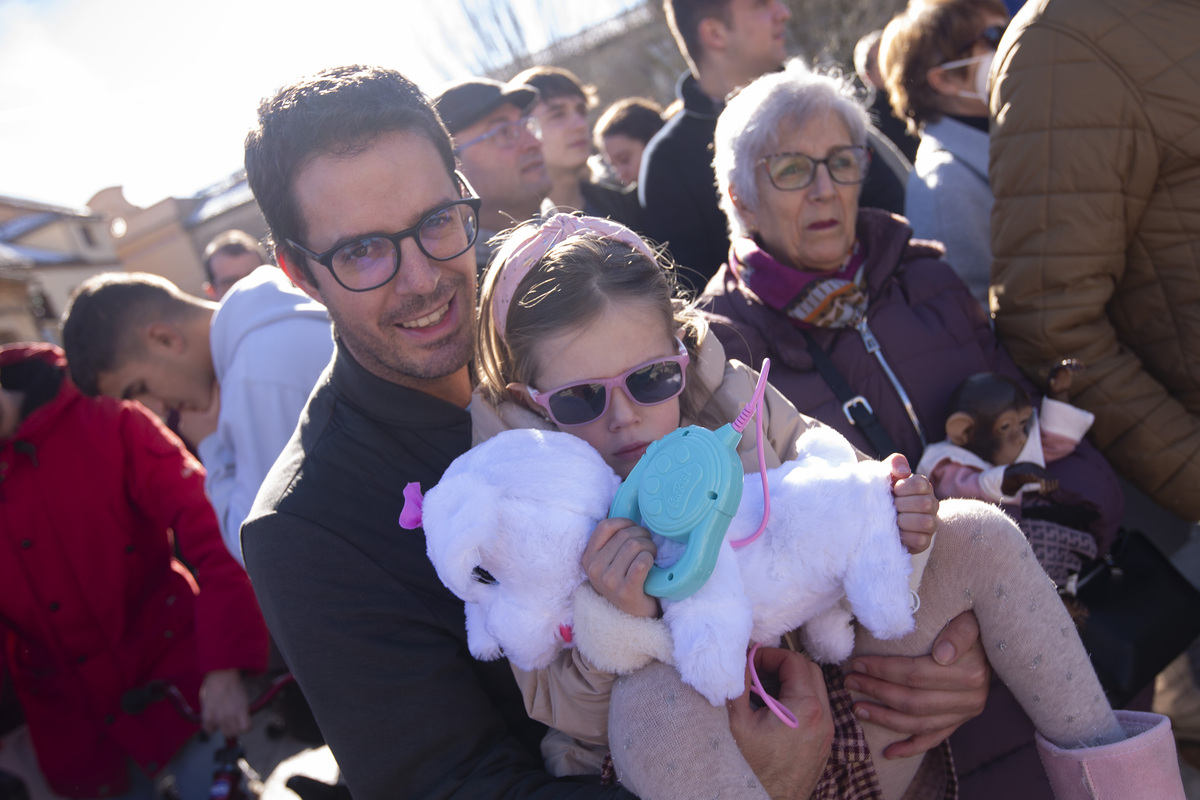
(239, 372)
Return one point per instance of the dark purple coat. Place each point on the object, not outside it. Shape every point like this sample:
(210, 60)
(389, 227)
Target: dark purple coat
(930, 330)
(933, 334)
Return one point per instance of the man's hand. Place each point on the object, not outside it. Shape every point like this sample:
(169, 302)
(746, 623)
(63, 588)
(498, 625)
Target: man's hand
(788, 762)
(617, 559)
(195, 426)
(223, 703)
(929, 696)
(916, 505)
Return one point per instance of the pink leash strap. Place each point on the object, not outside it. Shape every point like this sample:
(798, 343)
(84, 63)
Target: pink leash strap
(777, 708)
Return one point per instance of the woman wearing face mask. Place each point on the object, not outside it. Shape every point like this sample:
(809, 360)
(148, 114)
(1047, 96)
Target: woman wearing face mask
(935, 58)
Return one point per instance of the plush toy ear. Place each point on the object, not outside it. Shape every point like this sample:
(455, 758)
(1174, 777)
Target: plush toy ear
(960, 427)
(457, 526)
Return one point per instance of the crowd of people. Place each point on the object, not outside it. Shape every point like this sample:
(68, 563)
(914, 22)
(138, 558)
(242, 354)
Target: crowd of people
(979, 264)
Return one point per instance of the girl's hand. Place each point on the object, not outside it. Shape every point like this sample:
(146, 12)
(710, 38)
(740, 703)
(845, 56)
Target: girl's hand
(916, 506)
(617, 560)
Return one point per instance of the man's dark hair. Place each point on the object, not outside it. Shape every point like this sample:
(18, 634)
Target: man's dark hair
(338, 112)
(231, 243)
(103, 316)
(635, 117)
(684, 17)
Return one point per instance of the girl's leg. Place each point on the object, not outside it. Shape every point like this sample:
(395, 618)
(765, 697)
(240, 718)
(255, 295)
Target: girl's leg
(980, 561)
(668, 742)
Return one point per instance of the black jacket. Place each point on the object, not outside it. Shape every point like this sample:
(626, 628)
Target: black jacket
(376, 642)
(677, 188)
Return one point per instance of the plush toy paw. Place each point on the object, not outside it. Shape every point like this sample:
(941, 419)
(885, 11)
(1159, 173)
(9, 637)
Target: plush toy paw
(829, 637)
(718, 673)
(482, 644)
(614, 641)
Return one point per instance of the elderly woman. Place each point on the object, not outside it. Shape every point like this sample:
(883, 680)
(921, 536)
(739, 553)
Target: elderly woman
(935, 58)
(867, 330)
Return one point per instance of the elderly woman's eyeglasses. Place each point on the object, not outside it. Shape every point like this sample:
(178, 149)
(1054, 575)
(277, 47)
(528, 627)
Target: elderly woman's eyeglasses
(506, 134)
(368, 262)
(790, 172)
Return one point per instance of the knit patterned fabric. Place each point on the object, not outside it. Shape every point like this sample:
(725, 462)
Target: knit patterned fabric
(1059, 549)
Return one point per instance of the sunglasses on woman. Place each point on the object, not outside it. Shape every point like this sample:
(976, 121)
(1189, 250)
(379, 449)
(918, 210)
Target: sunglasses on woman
(646, 384)
(991, 36)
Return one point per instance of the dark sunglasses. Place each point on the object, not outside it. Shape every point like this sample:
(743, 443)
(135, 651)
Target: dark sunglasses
(646, 384)
(991, 35)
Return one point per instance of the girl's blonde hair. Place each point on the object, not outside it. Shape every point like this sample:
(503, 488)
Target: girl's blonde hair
(573, 282)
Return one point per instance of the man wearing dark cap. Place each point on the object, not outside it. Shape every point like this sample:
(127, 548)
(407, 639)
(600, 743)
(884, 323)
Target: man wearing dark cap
(499, 148)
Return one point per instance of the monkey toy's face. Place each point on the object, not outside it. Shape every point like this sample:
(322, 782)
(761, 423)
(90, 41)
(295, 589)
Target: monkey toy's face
(1010, 432)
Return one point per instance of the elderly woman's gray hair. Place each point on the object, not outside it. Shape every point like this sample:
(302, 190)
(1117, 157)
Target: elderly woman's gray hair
(749, 127)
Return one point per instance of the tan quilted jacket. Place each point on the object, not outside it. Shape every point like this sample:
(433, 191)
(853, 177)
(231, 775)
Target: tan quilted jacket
(1095, 166)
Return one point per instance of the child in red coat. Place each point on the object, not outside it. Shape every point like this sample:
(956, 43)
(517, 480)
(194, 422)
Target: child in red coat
(97, 499)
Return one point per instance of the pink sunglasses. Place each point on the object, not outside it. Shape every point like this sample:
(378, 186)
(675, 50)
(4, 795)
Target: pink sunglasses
(646, 384)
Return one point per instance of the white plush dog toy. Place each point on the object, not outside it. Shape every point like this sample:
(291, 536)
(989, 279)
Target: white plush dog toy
(507, 525)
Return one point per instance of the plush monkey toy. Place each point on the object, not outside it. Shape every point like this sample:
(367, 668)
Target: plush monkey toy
(995, 447)
(991, 416)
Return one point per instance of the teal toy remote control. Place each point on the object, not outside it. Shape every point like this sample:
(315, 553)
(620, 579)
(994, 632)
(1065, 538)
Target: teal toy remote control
(687, 488)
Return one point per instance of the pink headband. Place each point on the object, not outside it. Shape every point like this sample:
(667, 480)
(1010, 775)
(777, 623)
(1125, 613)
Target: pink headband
(527, 246)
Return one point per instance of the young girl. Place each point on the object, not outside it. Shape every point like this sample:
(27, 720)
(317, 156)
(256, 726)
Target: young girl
(578, 331)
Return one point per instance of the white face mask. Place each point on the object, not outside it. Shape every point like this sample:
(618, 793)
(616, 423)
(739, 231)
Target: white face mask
(981, 74)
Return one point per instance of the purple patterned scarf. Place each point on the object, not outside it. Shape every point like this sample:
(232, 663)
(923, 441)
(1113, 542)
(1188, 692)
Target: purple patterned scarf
(807, 299)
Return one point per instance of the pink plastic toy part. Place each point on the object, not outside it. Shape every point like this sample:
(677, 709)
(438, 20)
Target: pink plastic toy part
(755, 407)
(776, 707)
(410, 515)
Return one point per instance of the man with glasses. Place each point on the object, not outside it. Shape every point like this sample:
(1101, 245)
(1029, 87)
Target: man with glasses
(354, 173)
(499, 146)
(229, 257)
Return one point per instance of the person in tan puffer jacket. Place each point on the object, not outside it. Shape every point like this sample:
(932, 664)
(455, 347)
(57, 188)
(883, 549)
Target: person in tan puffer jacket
(1095, 166)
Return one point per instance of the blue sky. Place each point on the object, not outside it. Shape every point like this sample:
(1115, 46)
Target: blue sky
(156, 96)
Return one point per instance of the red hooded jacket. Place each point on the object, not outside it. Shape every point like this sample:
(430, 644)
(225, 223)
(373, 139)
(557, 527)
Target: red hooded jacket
(93, 602)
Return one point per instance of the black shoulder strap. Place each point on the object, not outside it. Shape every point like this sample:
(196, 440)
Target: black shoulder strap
(856, 408)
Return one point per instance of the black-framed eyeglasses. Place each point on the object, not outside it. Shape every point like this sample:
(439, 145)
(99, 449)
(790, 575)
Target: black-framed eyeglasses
(506, 134)
(790, 172)
(368, 262)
